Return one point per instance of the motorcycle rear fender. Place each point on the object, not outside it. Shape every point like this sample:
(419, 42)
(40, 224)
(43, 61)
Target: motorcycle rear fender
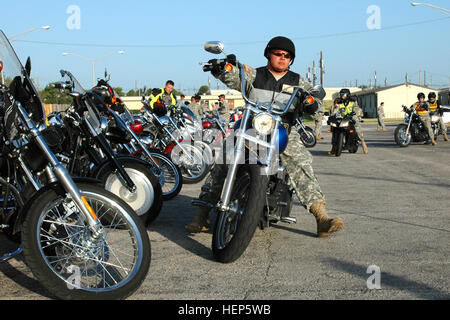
(55, 186)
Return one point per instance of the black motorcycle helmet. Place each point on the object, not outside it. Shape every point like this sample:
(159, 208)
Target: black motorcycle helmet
(104, 92)
(421, 95)
(432, 95)
(344, 94)
(280, 43)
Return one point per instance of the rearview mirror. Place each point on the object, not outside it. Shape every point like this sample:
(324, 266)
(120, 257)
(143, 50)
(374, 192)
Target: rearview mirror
(215, 47)
(28, 66)
(318, 92)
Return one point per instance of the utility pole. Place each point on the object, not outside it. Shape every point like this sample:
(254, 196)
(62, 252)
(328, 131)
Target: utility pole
(314, 73)
(356, 83)
(375, 79)
(424, 78)
(385, 82)
(420, 77)
(321, 68)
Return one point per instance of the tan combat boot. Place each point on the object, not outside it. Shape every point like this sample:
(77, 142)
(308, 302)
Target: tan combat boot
(325, 225)
(364, 146)
(445, 136)
(201, 221)
(433, 142)
(319, 137)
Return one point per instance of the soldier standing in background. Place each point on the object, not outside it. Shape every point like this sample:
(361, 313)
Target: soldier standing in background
(195, 106)
(380, 113)
(224, 109)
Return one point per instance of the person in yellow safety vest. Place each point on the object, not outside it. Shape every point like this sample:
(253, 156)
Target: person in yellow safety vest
(422, 108)
(435, 108)
(349, 106)
(160, 99)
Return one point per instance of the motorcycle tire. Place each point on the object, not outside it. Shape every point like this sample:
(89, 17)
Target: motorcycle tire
(193, 171)
(308, 138)
(55, 240)
(233, 230)
(170, 179)
(147, 201)
(339, 144)
(399, 134)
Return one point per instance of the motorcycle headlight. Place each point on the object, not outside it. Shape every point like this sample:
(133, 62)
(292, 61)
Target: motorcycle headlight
(333, 124)
(264, 124)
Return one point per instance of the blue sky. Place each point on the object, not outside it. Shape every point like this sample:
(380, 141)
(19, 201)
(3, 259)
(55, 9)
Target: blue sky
(163, 40)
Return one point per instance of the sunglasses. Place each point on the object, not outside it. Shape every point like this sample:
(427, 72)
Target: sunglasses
(280, 54)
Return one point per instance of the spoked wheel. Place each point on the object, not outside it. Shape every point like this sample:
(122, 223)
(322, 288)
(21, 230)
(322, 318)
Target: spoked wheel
(194, 166)
(234, 229)
(169, 177)
(64, 256)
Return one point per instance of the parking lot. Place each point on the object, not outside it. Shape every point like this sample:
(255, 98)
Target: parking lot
(395, 205)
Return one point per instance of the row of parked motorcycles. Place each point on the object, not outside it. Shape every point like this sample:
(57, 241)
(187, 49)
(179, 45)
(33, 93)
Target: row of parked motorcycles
(79, 187)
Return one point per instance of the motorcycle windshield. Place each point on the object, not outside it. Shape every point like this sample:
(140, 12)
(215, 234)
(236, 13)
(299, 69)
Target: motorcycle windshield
(68, 77)
(15, 78)
(189, 112)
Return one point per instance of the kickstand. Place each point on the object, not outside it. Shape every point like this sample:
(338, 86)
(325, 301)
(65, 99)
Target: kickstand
(10, 255)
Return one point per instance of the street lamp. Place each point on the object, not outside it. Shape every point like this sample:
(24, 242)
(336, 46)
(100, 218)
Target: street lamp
(14, 37)
(444, 11)
(93, 61)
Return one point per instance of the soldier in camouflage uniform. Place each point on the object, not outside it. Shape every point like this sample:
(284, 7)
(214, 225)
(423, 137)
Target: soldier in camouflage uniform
(262, 83)
(224, 109)
(318, 117)
(195, 106)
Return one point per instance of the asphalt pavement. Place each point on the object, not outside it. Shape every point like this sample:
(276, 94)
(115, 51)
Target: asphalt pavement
(395, 242)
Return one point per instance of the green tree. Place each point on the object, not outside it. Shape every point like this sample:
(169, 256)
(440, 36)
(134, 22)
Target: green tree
(119, 91)
(51, 95)
(131, 93)
(203, 90)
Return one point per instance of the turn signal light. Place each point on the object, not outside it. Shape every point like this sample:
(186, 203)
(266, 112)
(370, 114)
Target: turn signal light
(310, 99)
(229, 67)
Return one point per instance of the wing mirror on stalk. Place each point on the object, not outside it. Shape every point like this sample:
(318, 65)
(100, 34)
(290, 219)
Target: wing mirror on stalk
(318, 92)
(215, 47)
(28, 66)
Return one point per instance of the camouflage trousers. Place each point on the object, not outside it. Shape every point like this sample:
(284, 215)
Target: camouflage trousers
(317, 117)
(381, 123)
(358, 128)
(298, 163)
(442, 126)
(426, 120)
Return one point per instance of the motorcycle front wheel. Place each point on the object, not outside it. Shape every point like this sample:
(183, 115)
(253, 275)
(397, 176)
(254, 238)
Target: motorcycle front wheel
(400, 136)
(194, 166)
(147, 200)
(63, 256)
(308, 138)
(234, 229)
(170, 177)
(339, 143)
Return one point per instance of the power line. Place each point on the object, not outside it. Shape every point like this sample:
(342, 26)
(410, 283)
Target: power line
(228, 43)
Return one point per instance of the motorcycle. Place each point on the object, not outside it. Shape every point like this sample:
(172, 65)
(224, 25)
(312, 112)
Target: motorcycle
(79, 240)
(123, 134)
(413, 130)
(161, 134)
(88, 153)
(343, 131)
(306, 133)
(256, 190)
